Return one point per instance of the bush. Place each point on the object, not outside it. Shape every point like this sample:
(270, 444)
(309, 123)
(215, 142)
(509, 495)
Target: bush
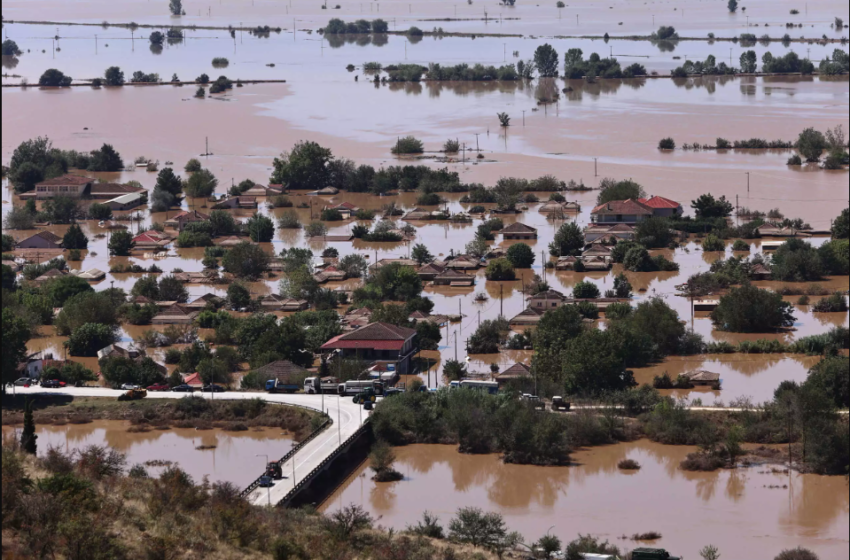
(795, 160)
(666, 144)
(54, 78)
(289, 220)
(832, 304)
(798, 553)
(89, 338)
(740, 245)
(712, 243)
(408, 145)
(586, 290)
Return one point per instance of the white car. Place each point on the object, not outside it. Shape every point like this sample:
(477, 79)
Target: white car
(129, 387)
(21, 381)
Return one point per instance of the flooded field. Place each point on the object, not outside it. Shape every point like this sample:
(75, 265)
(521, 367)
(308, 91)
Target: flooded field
(746, 512)
(217, 454)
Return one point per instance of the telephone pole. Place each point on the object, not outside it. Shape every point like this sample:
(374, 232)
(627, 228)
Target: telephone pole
(748, 182)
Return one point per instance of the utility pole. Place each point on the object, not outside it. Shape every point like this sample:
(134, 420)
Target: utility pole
(595, 167)
(523, 117)
(455, 345)
(479, 317)
(477, 149)
(748, 182)
(501, 301)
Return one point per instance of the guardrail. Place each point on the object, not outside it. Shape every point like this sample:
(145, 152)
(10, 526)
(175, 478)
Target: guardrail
(254, 485)
(329, 459)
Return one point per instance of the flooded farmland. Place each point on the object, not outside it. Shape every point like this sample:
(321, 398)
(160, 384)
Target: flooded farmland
(316, 88)
(753, 511)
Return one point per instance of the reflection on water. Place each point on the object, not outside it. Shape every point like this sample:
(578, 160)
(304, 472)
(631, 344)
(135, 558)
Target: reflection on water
(747, 518)
(336, 41)
(232, 456)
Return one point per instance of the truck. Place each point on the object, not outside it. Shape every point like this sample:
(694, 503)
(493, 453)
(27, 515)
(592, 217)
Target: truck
(274, 471)
(315, 386)
(643, 553)
(490, 387)
(278, 385)
(133, 395)
(355, 387)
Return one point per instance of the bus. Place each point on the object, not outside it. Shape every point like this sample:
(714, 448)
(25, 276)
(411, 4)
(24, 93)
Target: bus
(354, 387)
(491, 387)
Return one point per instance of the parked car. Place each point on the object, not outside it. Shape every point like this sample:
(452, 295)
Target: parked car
(213, 389)
(129, 386)
(159, 387)
(266, 481)
(183, 389)
(52, 384)
(23, 382)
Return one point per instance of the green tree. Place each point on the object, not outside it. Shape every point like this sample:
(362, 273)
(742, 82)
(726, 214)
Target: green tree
(91, 337)
(421, 254)
(54, 78)
(10, 48)
(500, 270)
(546, 61)
(238, 296)
(192, 165)
(246, 260)
(796, 261)
(87, 307)
(16, 334)
(477, 247)
(175, 7)
(62, 288)
(508, 192)
(593, 364)
(215, 371)
(260, 228)
(709, 552)
(61, 209)
(200, 184)
(33, 161)
(166, 191)
(121, 243)
(106, 159)
(146, 286)
(98, 211)
(28, 435)
(305, 167)
(748, 60)
(75, 238)
(172, 289)
(610, 190)
(811, 143)
(569, 240)
(622, 287)
(706, 206)
(654, 232)
(520, 255)
(732, 5)
(10, 282)
(752, 310)
(585, 290)
(222, 223)
(113, 76)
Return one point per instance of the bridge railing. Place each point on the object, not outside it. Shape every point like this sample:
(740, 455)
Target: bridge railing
(254, 485)
(305, 480)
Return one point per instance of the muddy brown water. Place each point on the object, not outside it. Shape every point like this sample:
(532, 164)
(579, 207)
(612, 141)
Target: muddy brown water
(746, 512)
(230, 457)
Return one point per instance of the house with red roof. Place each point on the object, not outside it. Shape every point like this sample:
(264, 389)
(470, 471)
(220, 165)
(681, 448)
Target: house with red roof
(519, 230)
(662, 207)
(151, 239)
(179, 220)
(621, 212)
(346, 209)
(377, 343)
(193, 380)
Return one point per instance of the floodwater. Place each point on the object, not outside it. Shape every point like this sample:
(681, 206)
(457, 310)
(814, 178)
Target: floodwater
(229, 457)
(746, 513)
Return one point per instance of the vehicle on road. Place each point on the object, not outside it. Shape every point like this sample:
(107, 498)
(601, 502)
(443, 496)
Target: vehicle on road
(183, 389)
(274, 470)
(266, 481)
(534, 400)
(367, 394)
(52, 384)
(558, 403)
(490, 387)
(133, 395)
(23, 382)
(643, 553)
(159, 387)
(314, 386)
(393, 391)
(129, 386)
(281, 386)
(355, 387)
(213, 388)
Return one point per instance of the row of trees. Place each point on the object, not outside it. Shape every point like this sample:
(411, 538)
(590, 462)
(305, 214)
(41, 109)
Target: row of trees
(35, 160)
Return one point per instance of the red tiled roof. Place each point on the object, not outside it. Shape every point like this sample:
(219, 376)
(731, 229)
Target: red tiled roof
(346, 205)
(67, 179)
(659, 202)
(630, 207)
(515, 371)
(194, 214)
(518, 227)
(378, 336)
(114, 188)
(193, 379)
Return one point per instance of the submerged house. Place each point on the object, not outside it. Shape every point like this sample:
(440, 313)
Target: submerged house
(454, 278)
(621, 212)
(662, 207)
(378, 343)
(177, 314)
(71, 185)
(519, 231)
(179, 220)
(41, 240)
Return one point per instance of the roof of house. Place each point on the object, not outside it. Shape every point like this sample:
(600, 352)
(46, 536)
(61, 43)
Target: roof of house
(629, 207)
(613, 228)
(347, 206)
(177, 310)
(529, 313)
(451, 273)
(114, 188)
(191, 215)
(90, 274)
(193, 379)
(702, 375)
(117, 350)
(659, 202)
(515, 371)
(549, 294)
(125, 198)
(759, 268)
(328, 190)
(46, 235)
(52, 273)
(379, 336)
(518, 227)
(152, 238)
(281, 369)
(67, 179)
(431, 268)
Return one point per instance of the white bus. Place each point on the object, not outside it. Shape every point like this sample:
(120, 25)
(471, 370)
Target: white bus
(491, 387)
(355, 387)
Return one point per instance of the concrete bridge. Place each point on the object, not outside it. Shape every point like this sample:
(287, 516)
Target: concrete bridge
(310, 459)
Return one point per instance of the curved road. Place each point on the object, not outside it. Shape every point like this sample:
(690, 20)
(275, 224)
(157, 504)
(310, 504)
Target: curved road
(347, 418)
